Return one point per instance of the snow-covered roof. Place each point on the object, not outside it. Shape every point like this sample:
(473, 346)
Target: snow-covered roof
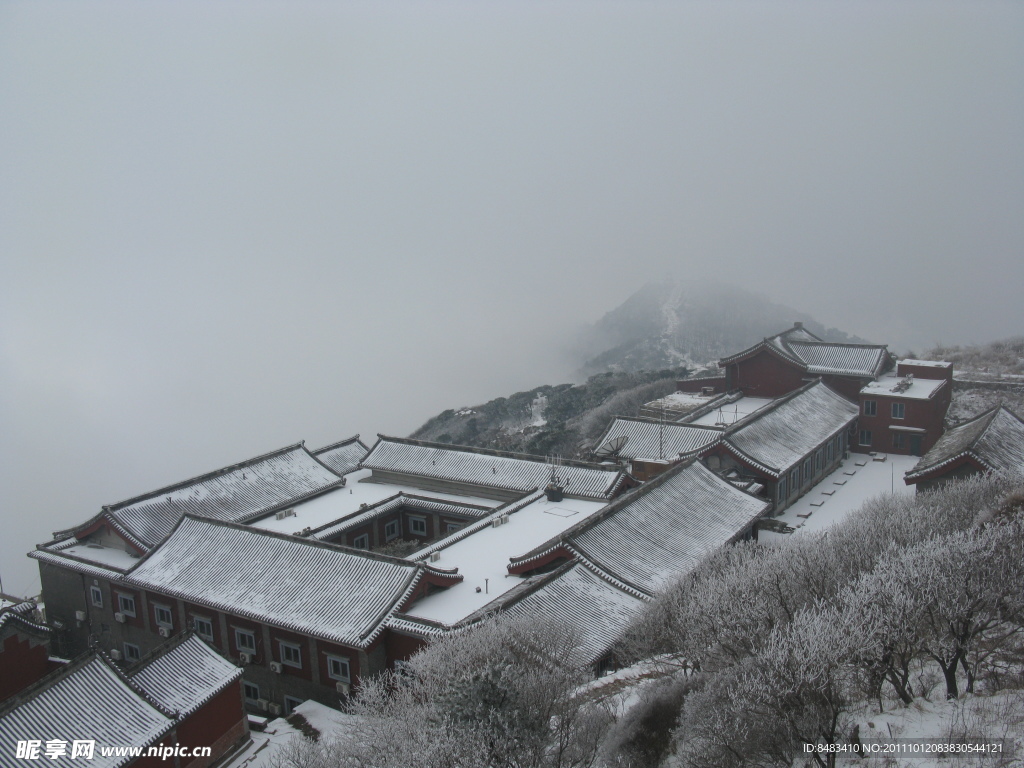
(660, 531)
(819, 357)
(646, 439)
(343, 457)
(481, 553)
(307, 586)
(87, 700)
(407, 501)
(727, 411)
(995, 439)
(185, 675)
(236, 493)
(594, 610)
(496, 469)
(909, 388)
(778, 437)
(926, 363)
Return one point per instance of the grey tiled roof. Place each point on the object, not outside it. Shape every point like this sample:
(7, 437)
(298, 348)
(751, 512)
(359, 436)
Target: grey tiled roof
(822, 357)
(186, 676)
(86, 701)
(654, 440)
(662, 530)
(235, 493)
(343, 457)
(489, 468)
(595, 611)
(995, 439)
(310, 587)
(779, 436)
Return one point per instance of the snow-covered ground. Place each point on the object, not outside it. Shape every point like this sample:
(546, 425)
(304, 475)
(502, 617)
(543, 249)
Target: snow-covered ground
(260, 753)
(856, 480)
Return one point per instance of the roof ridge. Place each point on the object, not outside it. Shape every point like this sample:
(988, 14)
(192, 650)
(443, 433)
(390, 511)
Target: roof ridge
(488, 452)
(839, 344)
(339, 444)
(200, 478)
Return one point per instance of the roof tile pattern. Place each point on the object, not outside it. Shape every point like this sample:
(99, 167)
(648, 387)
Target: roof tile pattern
(593, 609)
(91, 703)
(479, 468)
(310, 587)
(665, 531)
(995, 439)
(781, 435)
(844, 359)
(653, 440)
(186, 677)
(235, 494)
(343, 457)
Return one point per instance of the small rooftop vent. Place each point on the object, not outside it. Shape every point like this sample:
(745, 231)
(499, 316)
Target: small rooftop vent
(284, 513)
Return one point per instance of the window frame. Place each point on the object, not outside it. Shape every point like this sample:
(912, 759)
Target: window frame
(208, 622)
(362, 541)
(131, 651)
(243, 648)
(122, 599)
(870, 408)
(341, 661)
(291, 702)
(168, 623)
(248, 687)
(392, 530)
(861, 442)
(899, 410)
(416, 521)
(96, 596)
(897, 440)
(288, 645)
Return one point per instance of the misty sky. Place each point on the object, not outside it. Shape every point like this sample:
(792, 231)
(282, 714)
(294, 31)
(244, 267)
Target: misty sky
(226, 227)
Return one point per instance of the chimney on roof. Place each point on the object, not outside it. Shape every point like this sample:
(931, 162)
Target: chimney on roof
(798, 324)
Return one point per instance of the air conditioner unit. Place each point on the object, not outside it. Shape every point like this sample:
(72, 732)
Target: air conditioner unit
(435, 556)
(79, 615)
(262, 704)
(274, 708)
(164, 632)
(342, 688)
(495, 522)
(245, 658)
(275, 666)
(504, 519)
(120, 618)
(115, 655)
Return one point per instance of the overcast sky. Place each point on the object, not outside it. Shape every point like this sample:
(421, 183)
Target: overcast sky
(226, 227)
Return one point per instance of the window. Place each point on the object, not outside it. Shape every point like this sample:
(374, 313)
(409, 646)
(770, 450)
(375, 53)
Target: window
(361, 542)
(829, 452)
(203, 628)
(338, 669)
(782, 488)
(96, 595)
(291, 654)
(865, 437)
(452, 528)
(807, 470)
(126, 604)
(290, 703)
(794, 481)
(132, 652)
(251, 691)
(817, 461)
(418, 526)
(870, 408)
(245, 640)
(163, 616)
(897, 439)
(899, 410)
(391, 530)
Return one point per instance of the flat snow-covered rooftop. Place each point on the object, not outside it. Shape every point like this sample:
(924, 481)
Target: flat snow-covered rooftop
(482, 557)
(913, 389)
(344, 502)
(731, 413)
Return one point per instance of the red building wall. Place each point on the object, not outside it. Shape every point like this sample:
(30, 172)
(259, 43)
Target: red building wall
(219, 724)
(918, 414)
(23, 661)
(764, 375)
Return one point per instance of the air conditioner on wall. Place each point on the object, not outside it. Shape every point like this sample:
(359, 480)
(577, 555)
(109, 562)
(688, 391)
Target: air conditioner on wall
(262, 704)
(342, 688)
(115, 655)
(119, 618)
(274, 708)
(245, 658)
(164, 632)
(79, 615)
(275, 666)
(435, 556)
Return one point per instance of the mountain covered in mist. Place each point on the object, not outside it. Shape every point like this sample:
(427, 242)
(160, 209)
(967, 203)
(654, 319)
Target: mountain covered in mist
(671, 324)
(632, 355)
